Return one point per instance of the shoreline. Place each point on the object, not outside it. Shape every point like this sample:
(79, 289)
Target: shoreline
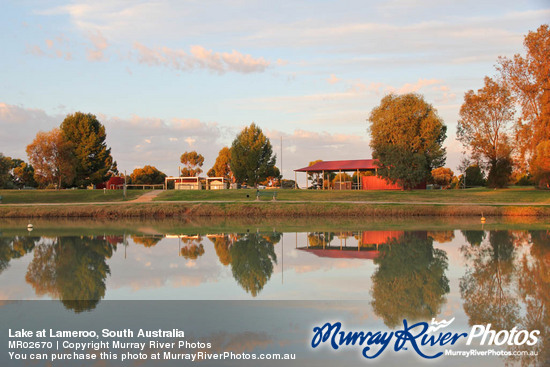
(266, 209)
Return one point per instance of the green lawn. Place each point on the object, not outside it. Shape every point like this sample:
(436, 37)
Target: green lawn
(475, 195)
(65, 196)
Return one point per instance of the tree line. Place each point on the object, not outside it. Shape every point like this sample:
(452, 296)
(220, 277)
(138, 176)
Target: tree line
(75, 154)
(504, 128)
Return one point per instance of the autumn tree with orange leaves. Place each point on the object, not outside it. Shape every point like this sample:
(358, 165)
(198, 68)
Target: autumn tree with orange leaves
(52, 158)
(484, 128)
(528, 78)
(192, 162)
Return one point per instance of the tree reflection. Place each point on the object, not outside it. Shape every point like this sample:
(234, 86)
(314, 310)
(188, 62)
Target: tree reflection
(474, 238)
(14, 248)
(316, 239)
(222, 245)
(73, 269)
(410, 281)
(252, 258)
(487, 288)
(534, 292)
(146, 241)
(193, 248)
(442, 236)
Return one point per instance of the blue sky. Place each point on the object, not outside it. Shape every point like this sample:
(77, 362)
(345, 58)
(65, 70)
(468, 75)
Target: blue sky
(166, 77)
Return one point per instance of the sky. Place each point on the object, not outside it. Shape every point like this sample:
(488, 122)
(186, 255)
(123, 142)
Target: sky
(170, 76)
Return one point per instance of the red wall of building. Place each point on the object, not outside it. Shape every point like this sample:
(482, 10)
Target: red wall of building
(111, 184)
(377, 183)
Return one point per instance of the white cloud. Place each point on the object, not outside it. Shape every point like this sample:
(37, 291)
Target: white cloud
(333, 79)
(199, 57)
(99, 43)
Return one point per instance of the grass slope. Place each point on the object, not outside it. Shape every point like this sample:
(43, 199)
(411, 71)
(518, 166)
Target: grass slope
(65, 196)
(475, 195)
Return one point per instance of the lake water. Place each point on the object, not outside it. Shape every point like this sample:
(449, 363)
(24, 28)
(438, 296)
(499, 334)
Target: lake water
(371, 272)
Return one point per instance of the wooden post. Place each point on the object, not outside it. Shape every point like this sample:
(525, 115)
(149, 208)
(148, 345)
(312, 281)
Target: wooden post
(323, 180)
(295, 180)
(340, 173)
(307, 183)
(358, 180)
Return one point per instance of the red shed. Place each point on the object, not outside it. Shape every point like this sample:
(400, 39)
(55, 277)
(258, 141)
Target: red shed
(373, 182)
(114, 183)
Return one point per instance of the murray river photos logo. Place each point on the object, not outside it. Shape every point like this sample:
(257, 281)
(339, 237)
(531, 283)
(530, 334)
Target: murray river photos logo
(425, 339)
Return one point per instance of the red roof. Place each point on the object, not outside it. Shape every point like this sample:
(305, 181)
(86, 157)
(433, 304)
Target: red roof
(351, 165)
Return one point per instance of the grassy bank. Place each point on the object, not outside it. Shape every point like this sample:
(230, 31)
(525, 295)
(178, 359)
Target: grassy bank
(264, 210)
(51, 227)
(475, 195)
(65, 196)
(290, 203)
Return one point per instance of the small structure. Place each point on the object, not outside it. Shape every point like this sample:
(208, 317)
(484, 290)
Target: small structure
(216, 183)
(369, 181)
(185, 183)
(113, 183)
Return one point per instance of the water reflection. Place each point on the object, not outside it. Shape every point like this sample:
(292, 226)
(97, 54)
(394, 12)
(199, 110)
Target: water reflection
(507, 284)
(410, 280)
(252, 258)
(14, 248)
(487, 288)
(73, 269)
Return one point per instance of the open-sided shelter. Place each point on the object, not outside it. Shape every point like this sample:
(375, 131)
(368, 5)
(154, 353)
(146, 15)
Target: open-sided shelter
(367, 182)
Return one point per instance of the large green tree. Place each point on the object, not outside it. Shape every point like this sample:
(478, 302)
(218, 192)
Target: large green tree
(93, 159)
(5, 167)
(252, 159)
(484, 128)
(407, 138)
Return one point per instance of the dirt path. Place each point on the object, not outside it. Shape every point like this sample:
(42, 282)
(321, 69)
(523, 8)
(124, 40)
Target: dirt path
(146, 197)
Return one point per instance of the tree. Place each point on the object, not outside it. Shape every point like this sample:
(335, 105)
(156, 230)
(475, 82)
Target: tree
(442, 176)
(5, 166)
(540, 164)
(222, 166)
(52, 158)
(485, 123)
(407, 139)
(252, 159)
(500, 173)
(474, 176)
(23, 175)
(398, 164)
(529, 80)
(148, 175)
(93, 158)
(192, 162)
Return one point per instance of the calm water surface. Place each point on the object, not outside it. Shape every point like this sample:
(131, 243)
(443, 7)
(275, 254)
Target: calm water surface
(494, 273)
